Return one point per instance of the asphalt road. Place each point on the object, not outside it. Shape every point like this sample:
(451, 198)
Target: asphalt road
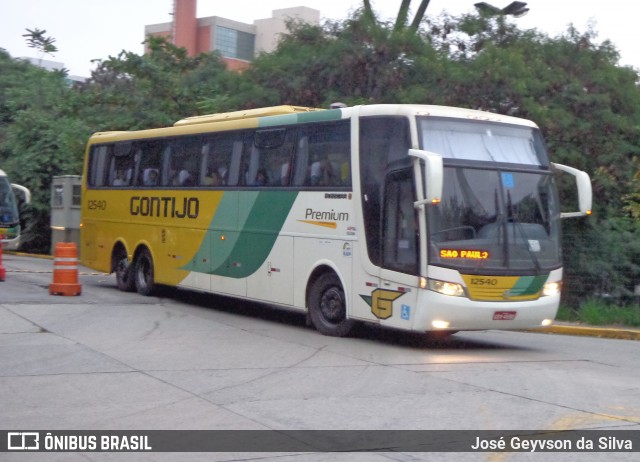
(107, 360)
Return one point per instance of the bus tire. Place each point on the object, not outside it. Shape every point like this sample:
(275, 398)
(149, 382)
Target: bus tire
(328, 306)
(124, 272)
(143, 273)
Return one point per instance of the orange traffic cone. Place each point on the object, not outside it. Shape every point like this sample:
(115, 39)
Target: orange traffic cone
(65, 270)
(3, 271)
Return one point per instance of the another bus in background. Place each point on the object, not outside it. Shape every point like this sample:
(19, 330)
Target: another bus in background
(9, 216)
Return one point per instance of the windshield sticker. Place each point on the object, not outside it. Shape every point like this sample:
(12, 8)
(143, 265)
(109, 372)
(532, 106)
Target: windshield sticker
(507, 181)
(534, 245)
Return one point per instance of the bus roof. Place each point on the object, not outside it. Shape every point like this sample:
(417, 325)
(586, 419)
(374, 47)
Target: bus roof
(283, 115)
(427, 110)
(245, 114)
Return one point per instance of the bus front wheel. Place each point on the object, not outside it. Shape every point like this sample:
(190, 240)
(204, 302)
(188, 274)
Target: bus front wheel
(143, 273)
(328, 307)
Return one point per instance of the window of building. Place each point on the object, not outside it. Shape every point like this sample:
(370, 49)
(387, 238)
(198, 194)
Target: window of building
(234, 44)
(76, 195)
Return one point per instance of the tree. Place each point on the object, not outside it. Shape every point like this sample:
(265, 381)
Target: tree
(129, 91)
(45, 123)
(40, 137)
(632, 199)
(401, 23)
(353, 61)
(36, 39)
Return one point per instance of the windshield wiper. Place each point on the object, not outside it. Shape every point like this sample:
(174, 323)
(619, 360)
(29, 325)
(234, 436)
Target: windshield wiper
(517, 225)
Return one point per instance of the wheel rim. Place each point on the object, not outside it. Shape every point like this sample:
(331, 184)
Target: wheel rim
(121, 268)
(143, 273)
(332, 305)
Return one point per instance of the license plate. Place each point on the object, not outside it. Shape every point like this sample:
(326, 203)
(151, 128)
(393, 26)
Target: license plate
(504, 315)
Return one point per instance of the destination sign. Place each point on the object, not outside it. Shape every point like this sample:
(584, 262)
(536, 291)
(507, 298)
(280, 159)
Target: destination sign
(466, 253)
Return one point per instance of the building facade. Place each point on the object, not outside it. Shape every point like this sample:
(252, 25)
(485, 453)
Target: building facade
(237, 42)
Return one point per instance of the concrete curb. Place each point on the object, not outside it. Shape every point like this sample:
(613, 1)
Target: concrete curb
(590, 331)
(30, 255)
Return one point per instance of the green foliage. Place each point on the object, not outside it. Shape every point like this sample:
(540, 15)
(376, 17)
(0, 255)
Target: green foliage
(599, 312)
(36, 39)
(601, 259)
(45, 123)
(354, 61)
(40, 137)
(131, 92)
(632, 200)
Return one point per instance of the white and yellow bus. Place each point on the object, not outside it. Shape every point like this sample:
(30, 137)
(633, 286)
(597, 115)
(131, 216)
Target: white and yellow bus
(422, 218)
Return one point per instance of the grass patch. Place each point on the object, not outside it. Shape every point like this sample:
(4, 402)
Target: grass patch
(599, 313)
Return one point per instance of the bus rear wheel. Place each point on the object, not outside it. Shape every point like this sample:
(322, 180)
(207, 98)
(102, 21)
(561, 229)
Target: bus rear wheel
(328, 307)
(124, 272)
(143, 273)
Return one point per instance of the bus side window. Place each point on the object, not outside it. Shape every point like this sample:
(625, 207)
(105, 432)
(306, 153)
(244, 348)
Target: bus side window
(121, 168)
(217, 158)
(383, 141)
(327, 155)
(271, 156)
(149, 162)
(98, 164)
(185, 162)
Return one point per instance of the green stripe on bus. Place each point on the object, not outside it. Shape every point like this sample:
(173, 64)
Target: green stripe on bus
(302, 117)
(237, 249)
(529, 285)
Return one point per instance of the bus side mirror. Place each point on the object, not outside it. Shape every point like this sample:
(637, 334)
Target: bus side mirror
(583, 184)
(24, 191)
(433, 176)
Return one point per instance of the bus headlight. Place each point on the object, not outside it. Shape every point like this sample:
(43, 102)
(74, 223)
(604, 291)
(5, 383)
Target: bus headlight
(551, 288)
(438, 324)
(446, 288)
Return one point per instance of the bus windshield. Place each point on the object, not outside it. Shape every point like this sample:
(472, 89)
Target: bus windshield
(497, 220)
(499, 209)
(473, 140)
(9, 221)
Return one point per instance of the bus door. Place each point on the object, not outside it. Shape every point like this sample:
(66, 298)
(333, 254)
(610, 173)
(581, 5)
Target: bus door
(389, 254)
(400, 249)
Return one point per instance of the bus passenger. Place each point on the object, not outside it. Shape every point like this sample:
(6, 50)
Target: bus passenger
(321, 173)
(150, 177)
(119, 179)
(285, 173)
(211, 178)
(223, 174)
(185, 178)
(261, 178)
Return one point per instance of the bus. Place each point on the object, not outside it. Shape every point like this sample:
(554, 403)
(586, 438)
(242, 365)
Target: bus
(9, 217)
(415, 217)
